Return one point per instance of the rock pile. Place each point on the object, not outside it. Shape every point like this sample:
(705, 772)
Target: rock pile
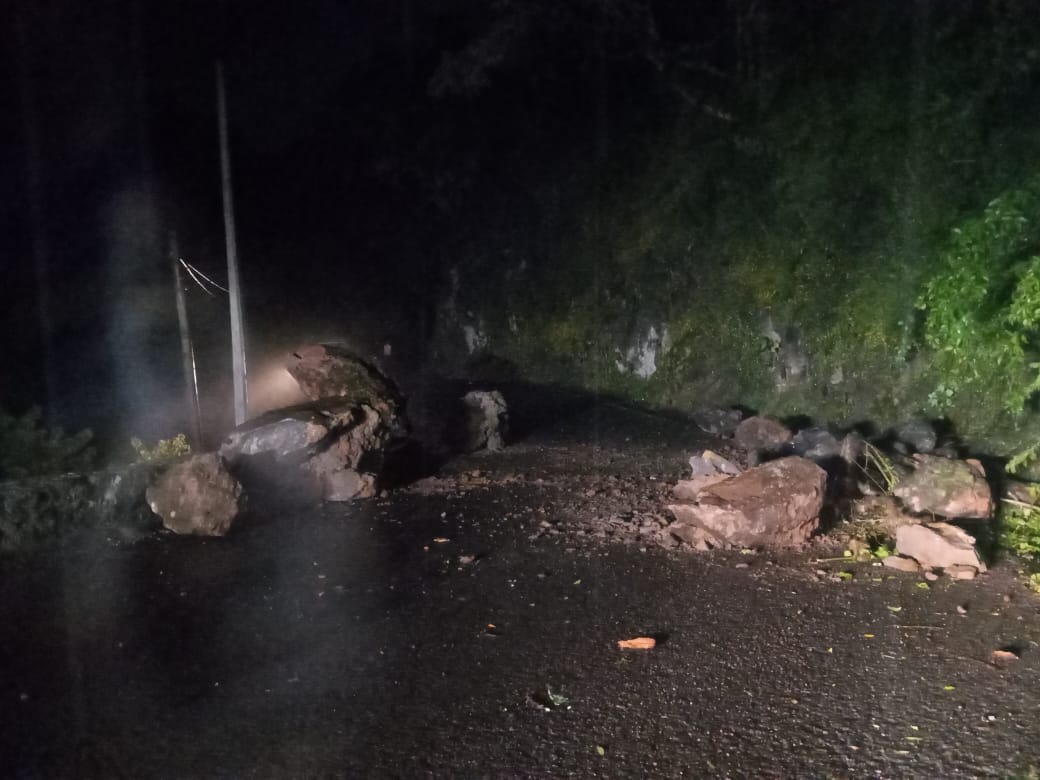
(331, 448)
(778, 504)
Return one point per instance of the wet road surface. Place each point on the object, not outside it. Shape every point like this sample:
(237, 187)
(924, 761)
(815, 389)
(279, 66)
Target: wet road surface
(421, 635)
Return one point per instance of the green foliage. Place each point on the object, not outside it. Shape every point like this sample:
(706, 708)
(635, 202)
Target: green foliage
(1020, 528)
(28, 449)
(983, 306)
(825, 208)
(1023, 459)
(164, 449)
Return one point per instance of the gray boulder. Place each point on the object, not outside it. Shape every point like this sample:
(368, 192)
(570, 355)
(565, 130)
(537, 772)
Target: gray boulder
(486, 421)
(816, 444)
(331, 449)
(918, 434)
(950, 488)
(718, 422)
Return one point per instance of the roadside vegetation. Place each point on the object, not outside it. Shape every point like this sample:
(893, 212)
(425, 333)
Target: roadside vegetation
(28, 448)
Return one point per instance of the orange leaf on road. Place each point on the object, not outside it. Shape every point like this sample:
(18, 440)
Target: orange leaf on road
(639, 643)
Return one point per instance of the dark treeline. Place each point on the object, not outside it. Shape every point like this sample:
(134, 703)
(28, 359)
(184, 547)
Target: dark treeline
(685, 202)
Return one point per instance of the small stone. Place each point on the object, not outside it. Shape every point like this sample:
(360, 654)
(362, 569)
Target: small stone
(901, 563)
(717, 422)
(762, 434)
(931, 576)
(961, 572)
(919, 434)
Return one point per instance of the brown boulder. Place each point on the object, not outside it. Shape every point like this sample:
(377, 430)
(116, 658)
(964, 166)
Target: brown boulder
(775, 505)
(333, 371)
(197, 496)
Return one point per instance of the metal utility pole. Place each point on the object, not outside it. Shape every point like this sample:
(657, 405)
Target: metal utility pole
(191, 377)
(238, 347)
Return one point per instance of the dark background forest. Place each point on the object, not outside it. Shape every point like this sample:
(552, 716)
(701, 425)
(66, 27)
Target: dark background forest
(811, 207)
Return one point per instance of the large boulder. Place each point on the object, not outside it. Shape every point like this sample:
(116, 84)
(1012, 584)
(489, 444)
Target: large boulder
(197, 496)
(333, 371)
(330, 450)
(946, 487)
(774, 505)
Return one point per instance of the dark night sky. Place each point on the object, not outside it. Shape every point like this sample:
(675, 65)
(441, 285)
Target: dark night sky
(354, 176)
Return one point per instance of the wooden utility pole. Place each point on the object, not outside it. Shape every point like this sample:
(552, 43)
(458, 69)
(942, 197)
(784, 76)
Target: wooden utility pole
(238, 346)
(191, 377)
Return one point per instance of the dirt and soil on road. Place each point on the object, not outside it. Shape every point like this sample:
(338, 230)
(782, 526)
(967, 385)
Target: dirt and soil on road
(466, 625)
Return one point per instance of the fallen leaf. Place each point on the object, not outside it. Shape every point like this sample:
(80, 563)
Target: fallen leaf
(1000, 657)
(441, 540)
(638, 643)
(923, 586)
(846, 575)
(600, 750)
(949, 687)
(894, 609)
(868, 636)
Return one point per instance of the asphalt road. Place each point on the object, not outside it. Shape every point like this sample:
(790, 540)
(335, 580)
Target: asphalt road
(438, 633)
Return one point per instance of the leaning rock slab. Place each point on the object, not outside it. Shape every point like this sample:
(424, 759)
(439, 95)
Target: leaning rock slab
(938, 546)
(486, 420)
(951, 488)
(775, 505)
(198, 496)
